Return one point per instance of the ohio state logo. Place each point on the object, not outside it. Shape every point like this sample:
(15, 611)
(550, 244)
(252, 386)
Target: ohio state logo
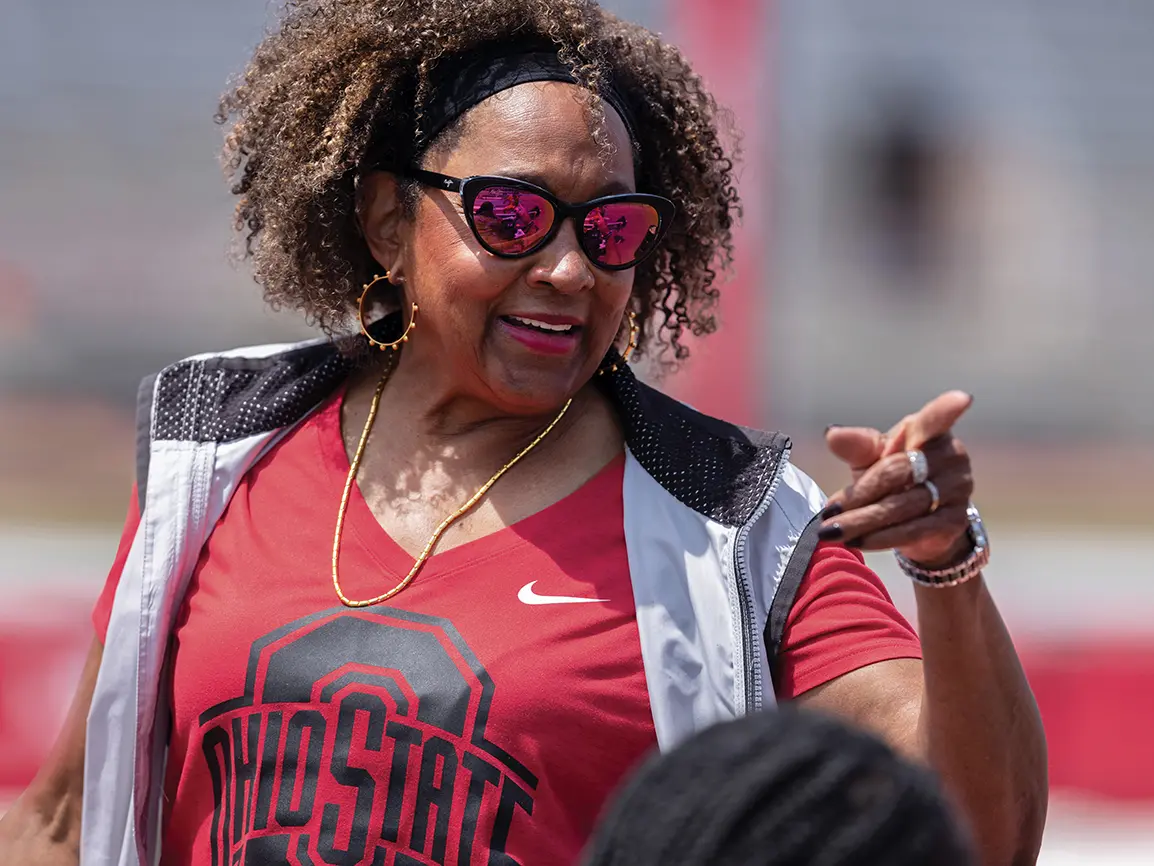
(360, 739)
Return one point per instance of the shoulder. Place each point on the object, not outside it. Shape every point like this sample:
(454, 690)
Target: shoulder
(722, 470)
(264, 358)
(798, 497)
(222, 396)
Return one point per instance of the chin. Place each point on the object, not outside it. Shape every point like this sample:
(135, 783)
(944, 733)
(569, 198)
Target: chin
(537, 391)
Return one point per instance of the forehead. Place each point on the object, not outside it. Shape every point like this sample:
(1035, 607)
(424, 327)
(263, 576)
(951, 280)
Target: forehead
(542, 130)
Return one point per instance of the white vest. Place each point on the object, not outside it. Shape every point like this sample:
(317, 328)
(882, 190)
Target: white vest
(719, 530)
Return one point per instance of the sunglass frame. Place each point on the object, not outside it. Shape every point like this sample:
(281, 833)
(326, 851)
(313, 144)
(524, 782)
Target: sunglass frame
(469, 188)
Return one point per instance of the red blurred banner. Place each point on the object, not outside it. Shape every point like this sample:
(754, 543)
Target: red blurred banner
(1097, 702)
(41, 657)
(729, 43)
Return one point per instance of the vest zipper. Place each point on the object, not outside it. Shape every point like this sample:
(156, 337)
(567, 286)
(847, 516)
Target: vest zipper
(754, 694)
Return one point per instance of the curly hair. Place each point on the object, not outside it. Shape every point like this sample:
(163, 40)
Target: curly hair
(339, 81)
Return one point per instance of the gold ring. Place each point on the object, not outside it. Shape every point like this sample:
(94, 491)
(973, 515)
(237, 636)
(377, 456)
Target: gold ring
(937, 499)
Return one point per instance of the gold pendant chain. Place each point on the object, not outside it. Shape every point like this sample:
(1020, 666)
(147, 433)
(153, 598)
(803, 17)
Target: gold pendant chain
(445, 524)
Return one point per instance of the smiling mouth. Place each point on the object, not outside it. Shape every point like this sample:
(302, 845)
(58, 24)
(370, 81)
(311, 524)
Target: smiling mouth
(540, 327)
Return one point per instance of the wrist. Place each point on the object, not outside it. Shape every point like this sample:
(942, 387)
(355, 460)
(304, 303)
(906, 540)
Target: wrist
(961, 549)
(960, 570)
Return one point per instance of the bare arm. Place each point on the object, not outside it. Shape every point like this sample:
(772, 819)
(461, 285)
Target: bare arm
(967, 710)
(43, 827)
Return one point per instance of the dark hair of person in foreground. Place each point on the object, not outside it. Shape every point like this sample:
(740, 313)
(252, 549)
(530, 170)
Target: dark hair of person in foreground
(782, 788)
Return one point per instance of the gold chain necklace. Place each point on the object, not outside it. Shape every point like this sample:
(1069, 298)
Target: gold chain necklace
(445, 524)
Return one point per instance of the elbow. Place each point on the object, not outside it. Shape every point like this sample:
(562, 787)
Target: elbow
(1034, 796)
(1032, 822)
(1017, 842)
(1021, 844)
(1023, 820)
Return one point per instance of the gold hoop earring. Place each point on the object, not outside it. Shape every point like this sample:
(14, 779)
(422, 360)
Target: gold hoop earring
(634, 334)
(377, 344)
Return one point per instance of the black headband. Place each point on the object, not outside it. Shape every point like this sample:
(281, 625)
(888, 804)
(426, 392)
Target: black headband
(456, 93)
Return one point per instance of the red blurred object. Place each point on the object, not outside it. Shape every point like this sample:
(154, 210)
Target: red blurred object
(1097, 702)
(729, 43)
(40, 663)
(17, 308)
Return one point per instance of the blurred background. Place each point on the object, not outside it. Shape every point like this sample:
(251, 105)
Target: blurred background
(938, 194)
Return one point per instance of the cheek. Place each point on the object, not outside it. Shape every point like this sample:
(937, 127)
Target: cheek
(612, 299)
(451, 270)
(614, 292)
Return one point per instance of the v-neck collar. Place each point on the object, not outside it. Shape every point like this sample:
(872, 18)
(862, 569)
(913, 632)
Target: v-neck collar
(363, 528)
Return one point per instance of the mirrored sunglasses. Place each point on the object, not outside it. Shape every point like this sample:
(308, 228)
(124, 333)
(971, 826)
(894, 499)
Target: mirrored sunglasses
(513, 218)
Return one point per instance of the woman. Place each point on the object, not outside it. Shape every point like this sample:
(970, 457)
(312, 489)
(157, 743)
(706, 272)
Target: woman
(780, 789)
(431, 603)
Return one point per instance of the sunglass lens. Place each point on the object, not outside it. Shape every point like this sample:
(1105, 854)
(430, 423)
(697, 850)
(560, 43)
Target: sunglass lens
(511, 221)
(620, 233)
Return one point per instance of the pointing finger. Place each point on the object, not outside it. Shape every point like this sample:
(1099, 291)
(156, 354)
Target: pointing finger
(934, 419)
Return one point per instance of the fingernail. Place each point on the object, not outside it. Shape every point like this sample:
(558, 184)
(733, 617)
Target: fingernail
(830, 533)
(832, 510)
(832, 427)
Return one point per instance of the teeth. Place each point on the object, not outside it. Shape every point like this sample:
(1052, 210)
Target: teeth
(543, 326)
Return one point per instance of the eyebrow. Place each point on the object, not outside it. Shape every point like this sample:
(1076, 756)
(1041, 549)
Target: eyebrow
(612, 187)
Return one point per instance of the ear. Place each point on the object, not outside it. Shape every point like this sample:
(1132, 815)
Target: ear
(384, 225)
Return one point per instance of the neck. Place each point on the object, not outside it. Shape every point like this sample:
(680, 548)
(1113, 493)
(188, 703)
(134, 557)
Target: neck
(436, 414)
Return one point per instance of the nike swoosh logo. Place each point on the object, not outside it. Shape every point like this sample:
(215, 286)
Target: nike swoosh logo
(527, 596)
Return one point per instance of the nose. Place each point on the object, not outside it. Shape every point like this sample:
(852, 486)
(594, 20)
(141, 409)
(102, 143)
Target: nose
(561, 264)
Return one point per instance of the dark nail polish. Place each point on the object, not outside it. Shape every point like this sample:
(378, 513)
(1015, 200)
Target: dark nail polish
(832, 511)
(853, 543)
(830, 533)
(832, 427)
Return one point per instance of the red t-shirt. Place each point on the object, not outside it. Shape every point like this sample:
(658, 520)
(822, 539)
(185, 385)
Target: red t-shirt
(459, 722)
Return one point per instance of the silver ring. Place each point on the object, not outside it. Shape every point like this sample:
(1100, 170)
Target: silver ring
(919, 466)
(937, 498)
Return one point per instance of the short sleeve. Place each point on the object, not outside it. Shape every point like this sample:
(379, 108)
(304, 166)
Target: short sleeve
(103, 610)
(842, 619)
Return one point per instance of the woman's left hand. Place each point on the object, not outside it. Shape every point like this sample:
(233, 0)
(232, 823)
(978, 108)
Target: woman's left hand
(965, 707)
(883, 507)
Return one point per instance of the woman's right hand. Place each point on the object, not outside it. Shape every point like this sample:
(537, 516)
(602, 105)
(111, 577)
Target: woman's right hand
(43, 826)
